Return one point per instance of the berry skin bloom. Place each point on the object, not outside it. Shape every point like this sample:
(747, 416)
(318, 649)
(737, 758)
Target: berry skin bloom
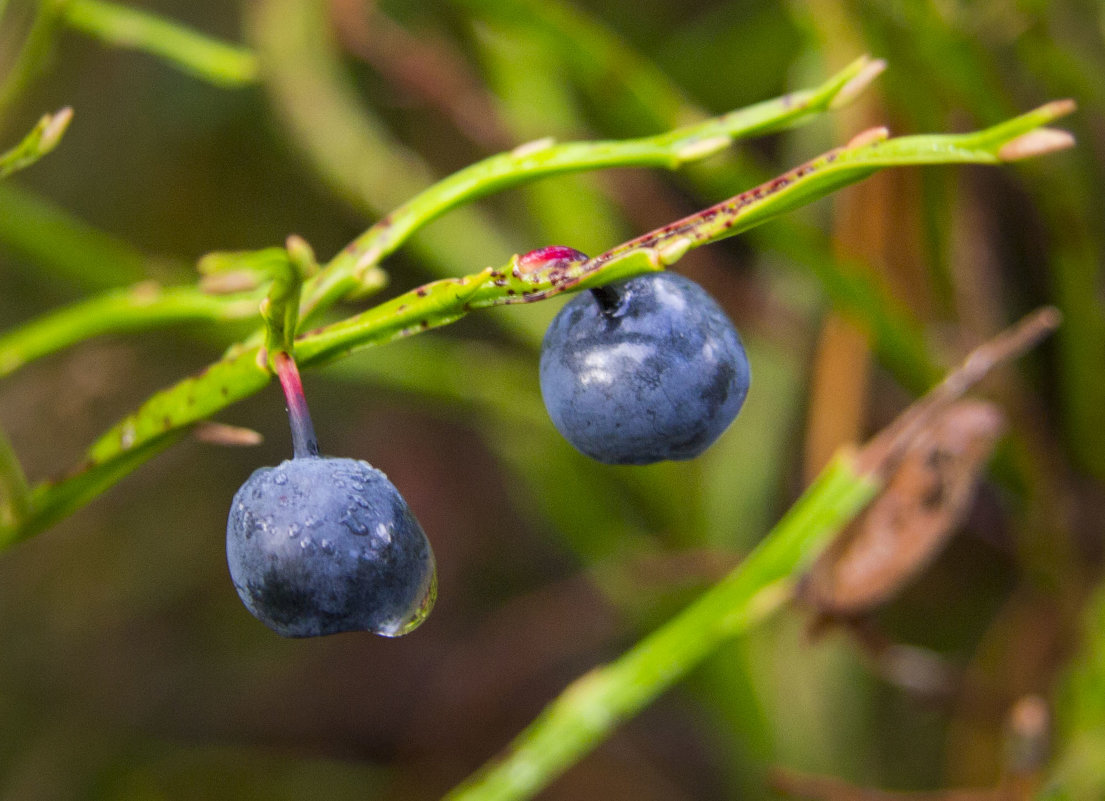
(322, 545)
(646, 370)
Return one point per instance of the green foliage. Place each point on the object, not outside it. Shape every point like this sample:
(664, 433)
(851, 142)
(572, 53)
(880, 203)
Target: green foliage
(515, 71)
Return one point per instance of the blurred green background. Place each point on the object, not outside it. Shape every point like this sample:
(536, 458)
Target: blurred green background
(128, 667)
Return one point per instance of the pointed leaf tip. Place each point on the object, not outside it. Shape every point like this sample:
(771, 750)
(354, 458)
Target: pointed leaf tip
(54, 126)
(1036, 143)
(870, 70)
(1061, 108)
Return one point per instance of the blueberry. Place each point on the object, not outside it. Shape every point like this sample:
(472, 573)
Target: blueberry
(318, 545)
(642, 371)
(323, 545)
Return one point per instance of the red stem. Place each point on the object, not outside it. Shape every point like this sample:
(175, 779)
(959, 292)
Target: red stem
(304, 441)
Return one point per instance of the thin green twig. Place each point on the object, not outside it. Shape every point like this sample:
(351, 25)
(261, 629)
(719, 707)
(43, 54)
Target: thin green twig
(445, 301)
(193, 52)
(133, 309)
(354, 269)
(545, 158)
(590, 708)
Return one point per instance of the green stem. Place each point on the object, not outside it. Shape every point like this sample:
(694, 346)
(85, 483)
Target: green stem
(589, 709)
(354, 268)
(526, 163)
(280, 308)
(134, 309)
(199, 55)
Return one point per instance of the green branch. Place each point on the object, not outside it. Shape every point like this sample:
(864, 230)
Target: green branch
(199, 55)
(136, 308)
(589, 709)
(43, 138)
(545, 158)
(355, 269)
(445, 301)
(244, 372)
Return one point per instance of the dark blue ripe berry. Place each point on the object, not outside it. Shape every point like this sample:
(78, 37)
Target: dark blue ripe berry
(642, 371)
(319, 545)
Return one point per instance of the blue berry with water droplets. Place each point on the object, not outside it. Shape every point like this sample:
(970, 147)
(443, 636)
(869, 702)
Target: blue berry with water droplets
(642, 371)
(320, 545)
(324, 545)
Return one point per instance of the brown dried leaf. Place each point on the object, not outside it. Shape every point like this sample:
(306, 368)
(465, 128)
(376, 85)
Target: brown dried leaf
(924, 501)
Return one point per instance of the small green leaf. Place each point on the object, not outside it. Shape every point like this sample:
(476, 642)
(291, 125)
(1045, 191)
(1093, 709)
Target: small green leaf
(280, 308)
(43, 138)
